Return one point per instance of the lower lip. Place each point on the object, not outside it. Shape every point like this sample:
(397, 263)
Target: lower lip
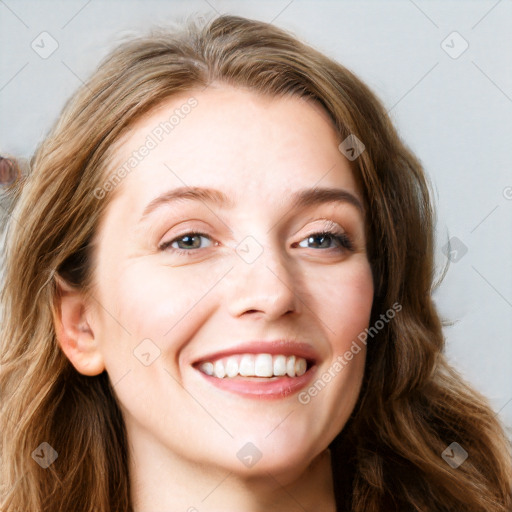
(269, 389)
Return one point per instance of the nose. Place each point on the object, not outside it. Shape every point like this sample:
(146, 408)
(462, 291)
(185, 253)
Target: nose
(264, 287)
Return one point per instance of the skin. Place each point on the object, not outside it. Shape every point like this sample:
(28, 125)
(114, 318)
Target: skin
(183, 432)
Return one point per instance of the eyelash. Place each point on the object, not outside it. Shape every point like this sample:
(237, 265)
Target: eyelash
(344, 241)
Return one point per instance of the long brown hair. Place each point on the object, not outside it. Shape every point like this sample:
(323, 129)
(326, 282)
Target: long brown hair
(412, 404)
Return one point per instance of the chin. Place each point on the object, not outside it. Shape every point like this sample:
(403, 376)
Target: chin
(285, 454)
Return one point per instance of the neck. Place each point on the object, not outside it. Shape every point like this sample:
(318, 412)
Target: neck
(166, 484)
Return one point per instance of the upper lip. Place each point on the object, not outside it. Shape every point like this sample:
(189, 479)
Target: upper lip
(274, 347)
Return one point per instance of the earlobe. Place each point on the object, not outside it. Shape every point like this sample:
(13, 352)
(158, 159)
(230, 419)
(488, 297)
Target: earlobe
(74, 332)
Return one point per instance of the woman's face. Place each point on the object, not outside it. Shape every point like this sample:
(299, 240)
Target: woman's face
(256, 289)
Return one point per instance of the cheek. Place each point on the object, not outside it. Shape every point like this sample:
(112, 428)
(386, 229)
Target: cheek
(344, 302)
(167, 305)
(151, 302)
(148, 313)
(343, 305)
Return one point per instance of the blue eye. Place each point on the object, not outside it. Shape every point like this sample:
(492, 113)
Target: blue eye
(188, 240)
(341, 239)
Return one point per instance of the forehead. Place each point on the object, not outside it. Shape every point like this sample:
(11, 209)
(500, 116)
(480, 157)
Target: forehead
(253, 147)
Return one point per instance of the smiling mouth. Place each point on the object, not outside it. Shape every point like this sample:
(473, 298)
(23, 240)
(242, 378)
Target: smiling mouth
(260, 376)
(265, 366)
(271, 369)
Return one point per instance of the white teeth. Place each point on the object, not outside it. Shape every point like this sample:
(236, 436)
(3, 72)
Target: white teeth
(247, 366)
(218, 370)
(300, 366)
(231, 367)
(207, 368)
(280, 365)
(255, 365)
(290, 366)
(263, 366)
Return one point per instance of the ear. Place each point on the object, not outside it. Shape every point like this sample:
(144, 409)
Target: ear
(74, 332)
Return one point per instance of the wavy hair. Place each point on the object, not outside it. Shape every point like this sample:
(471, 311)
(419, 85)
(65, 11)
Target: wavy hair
(412, 404)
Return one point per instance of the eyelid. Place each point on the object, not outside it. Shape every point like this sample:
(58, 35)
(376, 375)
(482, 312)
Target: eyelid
(331, 225)
(325, 225)
(184, 228)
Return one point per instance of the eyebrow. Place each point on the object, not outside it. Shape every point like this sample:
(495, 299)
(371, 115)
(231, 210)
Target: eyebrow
(300, 199)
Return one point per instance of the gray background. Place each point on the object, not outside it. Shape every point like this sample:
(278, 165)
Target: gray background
(453, 110)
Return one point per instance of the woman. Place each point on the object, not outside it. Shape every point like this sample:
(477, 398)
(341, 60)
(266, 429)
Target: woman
(218, 297)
